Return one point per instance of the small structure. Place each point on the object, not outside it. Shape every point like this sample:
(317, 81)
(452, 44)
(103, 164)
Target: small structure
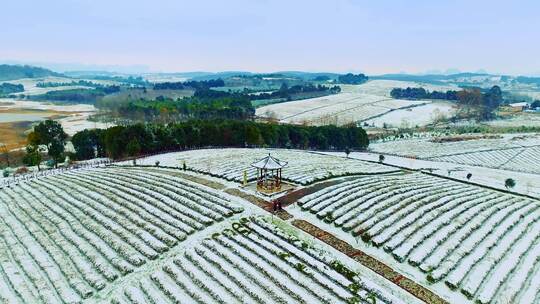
(269, 174)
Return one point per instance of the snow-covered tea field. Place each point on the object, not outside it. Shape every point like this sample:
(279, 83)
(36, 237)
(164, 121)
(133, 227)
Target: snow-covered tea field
(355, 103)
(68, 236)
(256, 262)
(124, 235)
(481, 242)
(508, 151)
(303, 167)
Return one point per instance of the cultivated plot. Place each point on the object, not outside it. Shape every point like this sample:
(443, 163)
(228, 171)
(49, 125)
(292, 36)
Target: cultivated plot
(484, 243)
(303, 167)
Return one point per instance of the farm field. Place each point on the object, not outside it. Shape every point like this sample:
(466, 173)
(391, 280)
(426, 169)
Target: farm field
(412, 117)
(65, 246)
(124, 235)
(508, 151)
(480, 242)
(518, 120)
(31, 88)
(230, 164)
(355, 103)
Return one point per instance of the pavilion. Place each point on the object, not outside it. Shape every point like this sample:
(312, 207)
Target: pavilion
(269, 174)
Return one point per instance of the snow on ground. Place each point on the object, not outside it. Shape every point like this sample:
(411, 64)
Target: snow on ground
(428, 147)
(77, 122)
(416, 116)
(355, 103)
(119, 235)
(523, 119)
(30, 87)
(303, 167)
(515, 152)
(383, 87)
(10, 103)
(480, 241)
(526, 183)
(406, 269)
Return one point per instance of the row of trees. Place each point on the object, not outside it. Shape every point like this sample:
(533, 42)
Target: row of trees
(86, 83)
(288, 92)
(479, 104)
(88, 96)
(352, 78)
(474, 102)
(195, 107)
(9, 88)
(123, 141)
(196, 85)
(421, 93)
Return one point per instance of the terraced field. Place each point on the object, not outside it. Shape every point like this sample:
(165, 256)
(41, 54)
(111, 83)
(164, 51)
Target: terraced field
(254, 262)
(303, 167)
(482, 242)
(510, 152)
(64, 238)
(119, 235)
(514, 159)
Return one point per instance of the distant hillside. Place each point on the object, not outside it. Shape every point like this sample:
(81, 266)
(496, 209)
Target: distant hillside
(13, 72)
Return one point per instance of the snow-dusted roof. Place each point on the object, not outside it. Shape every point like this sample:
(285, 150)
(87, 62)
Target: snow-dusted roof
(269, 163)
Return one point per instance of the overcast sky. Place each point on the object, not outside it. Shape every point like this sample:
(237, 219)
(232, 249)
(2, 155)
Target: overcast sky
(264, 35)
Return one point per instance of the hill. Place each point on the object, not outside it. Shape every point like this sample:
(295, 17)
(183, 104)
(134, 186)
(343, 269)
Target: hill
(14, 72)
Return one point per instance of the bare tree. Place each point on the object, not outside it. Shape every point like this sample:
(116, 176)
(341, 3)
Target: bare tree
(5, 153)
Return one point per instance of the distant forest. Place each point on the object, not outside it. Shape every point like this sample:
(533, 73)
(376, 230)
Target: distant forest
(85, 83)
(196, 85)
(352, 79)
(86, 96)
(12, 72)
(8, 88)
(124, 141)
(204, 104)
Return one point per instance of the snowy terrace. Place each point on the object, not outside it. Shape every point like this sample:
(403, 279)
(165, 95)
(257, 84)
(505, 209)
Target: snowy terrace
(303, 167)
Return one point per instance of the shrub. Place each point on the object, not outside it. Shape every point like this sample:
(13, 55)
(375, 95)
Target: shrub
(509, 183)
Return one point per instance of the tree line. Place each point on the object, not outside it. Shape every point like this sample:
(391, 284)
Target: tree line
(421, 93)
(475, 102)
(87, 96)
(211, 105)
(125, 141)
(86, 83)
(9, 88)
(287, 92)
(352, 78)
(196, 85)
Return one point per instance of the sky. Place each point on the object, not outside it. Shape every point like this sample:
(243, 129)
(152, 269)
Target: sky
(374, 37)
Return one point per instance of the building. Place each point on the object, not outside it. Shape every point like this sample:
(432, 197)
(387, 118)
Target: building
(269, 174)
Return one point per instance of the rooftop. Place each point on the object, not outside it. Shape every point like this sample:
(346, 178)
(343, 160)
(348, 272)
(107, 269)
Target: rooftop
(269, 163)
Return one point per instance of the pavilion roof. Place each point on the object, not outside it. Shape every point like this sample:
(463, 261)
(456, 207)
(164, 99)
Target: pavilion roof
(269, 163)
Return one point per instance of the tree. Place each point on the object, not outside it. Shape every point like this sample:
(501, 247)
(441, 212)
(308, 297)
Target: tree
(509, 183)
(88, 144)
(381, 158)
(32, 157)
(51, 134)
(133, 148)
(5, 153)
